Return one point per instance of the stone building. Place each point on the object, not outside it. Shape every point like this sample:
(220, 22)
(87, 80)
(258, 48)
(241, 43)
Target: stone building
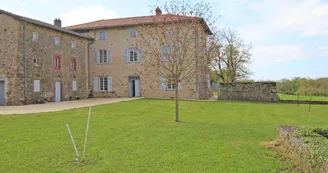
(115, 39)
(40, 61)
(43, 62)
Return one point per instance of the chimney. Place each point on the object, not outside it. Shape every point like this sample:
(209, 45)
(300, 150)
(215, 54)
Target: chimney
(57, 22)
(158, 11)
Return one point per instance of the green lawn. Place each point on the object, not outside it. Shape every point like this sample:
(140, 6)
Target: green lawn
(294, 97)
(140, 136)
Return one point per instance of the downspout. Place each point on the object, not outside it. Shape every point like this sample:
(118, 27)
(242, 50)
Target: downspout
(88, 61)
(24, 55)
(197, 73)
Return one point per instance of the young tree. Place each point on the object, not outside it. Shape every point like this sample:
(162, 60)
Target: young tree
(231, 56)
(173, 45)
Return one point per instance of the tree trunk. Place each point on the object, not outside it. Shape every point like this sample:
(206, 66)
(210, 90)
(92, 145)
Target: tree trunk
(177, 102)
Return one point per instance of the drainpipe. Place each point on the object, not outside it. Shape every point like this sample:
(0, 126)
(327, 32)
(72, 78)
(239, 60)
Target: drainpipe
(88, 61)
(24, 55)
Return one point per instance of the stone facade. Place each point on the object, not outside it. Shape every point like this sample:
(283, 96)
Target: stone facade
(256, 91)
(117, 39)
(43, 50)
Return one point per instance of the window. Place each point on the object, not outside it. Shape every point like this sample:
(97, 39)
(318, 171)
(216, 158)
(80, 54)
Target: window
(132, 33)
(172, 52)
(74, 87)
(170, 83)
(36, 85)
(169, 34)
(72, 64)
(167, 83)
(102, 35)
(103, 84)
(103, 56)
(57, 62)
(57, 41)
(35, 61)
(132, 55)
(35, 36)
(73, 44)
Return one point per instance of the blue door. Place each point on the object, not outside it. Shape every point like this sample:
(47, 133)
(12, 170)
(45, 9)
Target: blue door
(2, 92)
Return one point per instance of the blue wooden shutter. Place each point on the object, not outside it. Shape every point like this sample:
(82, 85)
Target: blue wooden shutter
(163, 83)
(95, 84)
(126, 55)
(110, 83)
(109, 56)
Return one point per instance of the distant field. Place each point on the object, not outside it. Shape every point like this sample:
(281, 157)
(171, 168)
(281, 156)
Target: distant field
(294, 97)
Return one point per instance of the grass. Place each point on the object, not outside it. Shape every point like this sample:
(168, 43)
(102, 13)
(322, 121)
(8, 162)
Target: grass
(141, 136)
(294, 97)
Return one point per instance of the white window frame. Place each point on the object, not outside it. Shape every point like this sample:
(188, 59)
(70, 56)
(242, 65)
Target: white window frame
(103, 59)
(102, 35)
(57, 41)
(103, 84)
(73, 44)
(135, 55)
(37, 86)
(35, 36)
(169, 50)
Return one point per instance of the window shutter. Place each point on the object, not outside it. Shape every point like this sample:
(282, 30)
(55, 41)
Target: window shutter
(110, 84)
(163, 83)
(95, 84)
(209, 84)
(126, 55)
(162, 53)
(36, 85)
(180, 84)
(109, 56)
(74, 87)
(98, 57)
(130, 33)
(140, 54)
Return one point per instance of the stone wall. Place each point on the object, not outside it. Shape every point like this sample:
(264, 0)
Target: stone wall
(117, 40)
(12, 58)
(256, 91)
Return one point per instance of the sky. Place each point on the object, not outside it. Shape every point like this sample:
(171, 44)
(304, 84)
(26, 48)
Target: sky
(289, 37)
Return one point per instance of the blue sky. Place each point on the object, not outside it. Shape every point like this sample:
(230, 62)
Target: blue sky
(289, 37)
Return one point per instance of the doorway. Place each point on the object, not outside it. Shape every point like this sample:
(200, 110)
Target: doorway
(134, 86)
(2, 92)
(57, 92)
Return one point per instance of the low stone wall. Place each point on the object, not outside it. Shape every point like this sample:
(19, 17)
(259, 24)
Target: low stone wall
(301, 154)
(256, 91)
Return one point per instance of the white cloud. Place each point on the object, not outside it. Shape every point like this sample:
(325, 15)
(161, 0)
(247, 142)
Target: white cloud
(85, 14)
(278, 53)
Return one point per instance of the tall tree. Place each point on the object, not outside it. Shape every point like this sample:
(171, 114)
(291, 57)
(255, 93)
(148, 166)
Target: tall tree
(173, 45)
(231, 56)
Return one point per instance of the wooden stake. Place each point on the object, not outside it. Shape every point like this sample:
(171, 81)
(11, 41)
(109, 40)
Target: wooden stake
(86, 133)
(70, 135)
(310, 103)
